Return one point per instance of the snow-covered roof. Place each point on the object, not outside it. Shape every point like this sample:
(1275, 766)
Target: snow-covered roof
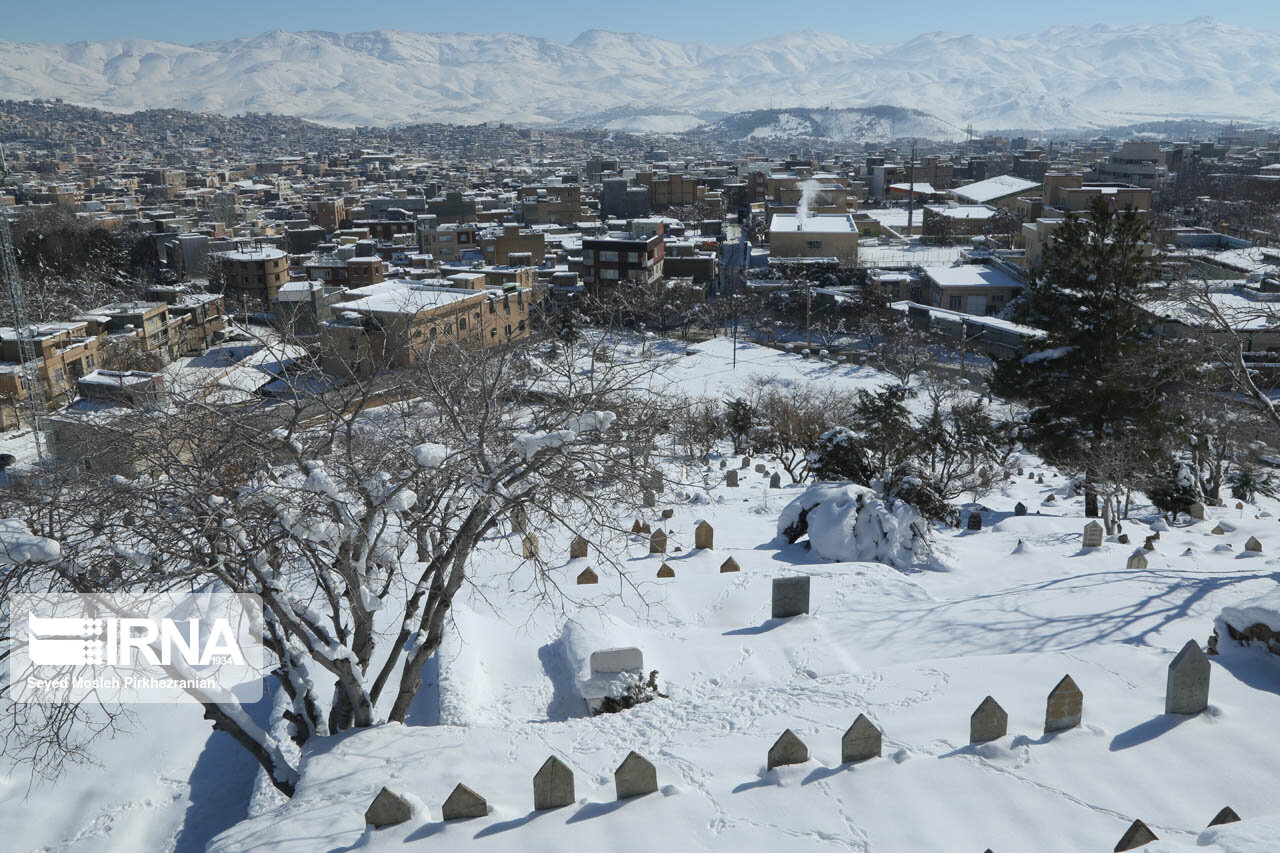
(262, 253)
(1244, 309)
(970, 275)
(921, 188)
(814, 223)
(403, 296)
(995, 188)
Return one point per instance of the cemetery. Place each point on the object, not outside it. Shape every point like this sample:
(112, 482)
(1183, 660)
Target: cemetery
(819, 656)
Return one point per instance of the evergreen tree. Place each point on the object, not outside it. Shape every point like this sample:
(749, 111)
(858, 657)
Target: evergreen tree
(1102, 375)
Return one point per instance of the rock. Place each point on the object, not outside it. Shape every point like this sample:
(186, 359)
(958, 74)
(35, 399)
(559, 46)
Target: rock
(988, 722)
(463, 803)
(552, 785)
(787, 749)
(1134, 837)
(635, 777)
(790, 597)
(387, 809)
(862, 741)
(1187, 688)
(1064, 707)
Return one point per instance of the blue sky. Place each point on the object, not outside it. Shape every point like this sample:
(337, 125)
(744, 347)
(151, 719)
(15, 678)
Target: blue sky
(726, 21)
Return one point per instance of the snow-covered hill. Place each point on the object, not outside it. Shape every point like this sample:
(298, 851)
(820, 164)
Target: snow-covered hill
(856, 124)
(1062, 77)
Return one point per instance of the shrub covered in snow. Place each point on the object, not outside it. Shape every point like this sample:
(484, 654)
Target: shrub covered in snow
(846, 522)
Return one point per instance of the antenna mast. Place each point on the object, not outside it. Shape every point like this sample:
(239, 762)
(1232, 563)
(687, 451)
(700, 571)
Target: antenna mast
(24, 333)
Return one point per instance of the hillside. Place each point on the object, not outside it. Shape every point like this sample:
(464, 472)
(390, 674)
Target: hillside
(1062, 77)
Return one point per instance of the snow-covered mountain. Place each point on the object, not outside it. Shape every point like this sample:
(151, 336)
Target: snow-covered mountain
(1062, 77)
(855, 124)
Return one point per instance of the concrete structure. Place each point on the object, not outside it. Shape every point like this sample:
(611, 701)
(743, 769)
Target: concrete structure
(970, 288)
(862, 741)
(703, 536)
(787, 749)
(635, 777)
(622, 256)
(463, 803)
(387, 809)
(1064, 707)
(251, 276)
(819, 235)
(552, 785)
(790, 597)
(1093, 535)
(988, 722)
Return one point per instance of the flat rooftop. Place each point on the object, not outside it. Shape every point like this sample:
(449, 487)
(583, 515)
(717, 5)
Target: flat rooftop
(814, 223)
(970, 275)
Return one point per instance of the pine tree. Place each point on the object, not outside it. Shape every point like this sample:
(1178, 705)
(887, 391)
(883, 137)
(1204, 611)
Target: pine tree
(1101, 375)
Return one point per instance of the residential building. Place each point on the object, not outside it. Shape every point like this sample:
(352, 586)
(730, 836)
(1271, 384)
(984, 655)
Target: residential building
(970, 288)
(252, 275)
(819, 235)
(622, 256)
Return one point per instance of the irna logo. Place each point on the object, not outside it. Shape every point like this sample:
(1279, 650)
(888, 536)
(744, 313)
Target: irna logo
(113, 641)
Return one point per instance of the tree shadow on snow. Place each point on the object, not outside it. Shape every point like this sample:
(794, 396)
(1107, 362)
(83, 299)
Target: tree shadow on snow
(221, 783)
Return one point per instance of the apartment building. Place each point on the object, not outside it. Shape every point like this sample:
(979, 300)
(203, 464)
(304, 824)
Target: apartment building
(622, 256)
(252, 275)
(818, 235)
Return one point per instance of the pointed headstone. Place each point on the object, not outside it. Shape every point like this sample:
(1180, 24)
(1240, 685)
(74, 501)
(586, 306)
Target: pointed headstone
(787, 749)
(1218, 530)
(463, 803)
(1137, 560)
(730, 565)
(387, 809)
(1253, 545)
(635, 777)
(1149, 544)
(731, 479)
(1019, 508)
(1227, 815)
(975, 521)
(665, 571)
(1134, 837)
(645, 529)
(1187, 688)
(529, 547)
(1064, 707)
(704, 536)
(790, 597)
(861, 741)
(635, 527)
(775, 482)
(658, 542)
(988, 722)
(552, 785)
(587, 576)
(578, 548)
(1093, 535)
(1196, 510)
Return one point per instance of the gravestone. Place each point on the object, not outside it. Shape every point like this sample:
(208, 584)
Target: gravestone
(790, 597)
(552, 785)
(635, 777)
(529, 547)
(1093, 535)
(1239, 505)
(746, 462)
(1253, 545)
(635, 528)
(1134, 837)
(654, 481)
(463, 803)
(387, 809)
(1040, 479)
(861, 741)
(1019, 470)
(645, 529)
(587, 576)
(1051, 499)
(1123, 538)
(1149, 544)
(731, 479)
(1187, 689)
(787, 749)
(658, 542)
(775, 482)
(577, 548)
(649, 499)
(665, 571)
(519, 519)
(667, 514)
(625, 659)
(730, 565)
(1064, 707)
(988, 722)
(1227, 815)
(1218, 530)
(975, 521)
(1090, 505)
(1196, 510)
(1019, 508)
(1137, 560)
(724, 463)
(704, 536)
(760, 469)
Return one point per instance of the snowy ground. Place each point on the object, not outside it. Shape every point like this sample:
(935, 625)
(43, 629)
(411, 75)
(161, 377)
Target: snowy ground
(915, 651)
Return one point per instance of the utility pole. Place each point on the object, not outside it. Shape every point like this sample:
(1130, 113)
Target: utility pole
(24, 333)
(911, 192)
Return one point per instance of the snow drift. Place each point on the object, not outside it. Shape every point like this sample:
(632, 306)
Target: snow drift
(847, 523)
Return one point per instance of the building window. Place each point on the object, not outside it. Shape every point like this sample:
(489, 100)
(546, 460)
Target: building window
(813, 244)
(493, 333)
(432, 333)
(953, 302)
(462, 324)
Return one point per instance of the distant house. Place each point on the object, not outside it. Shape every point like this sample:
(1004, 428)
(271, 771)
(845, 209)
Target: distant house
(970, 288)
(1001, 191)
(818, 235)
